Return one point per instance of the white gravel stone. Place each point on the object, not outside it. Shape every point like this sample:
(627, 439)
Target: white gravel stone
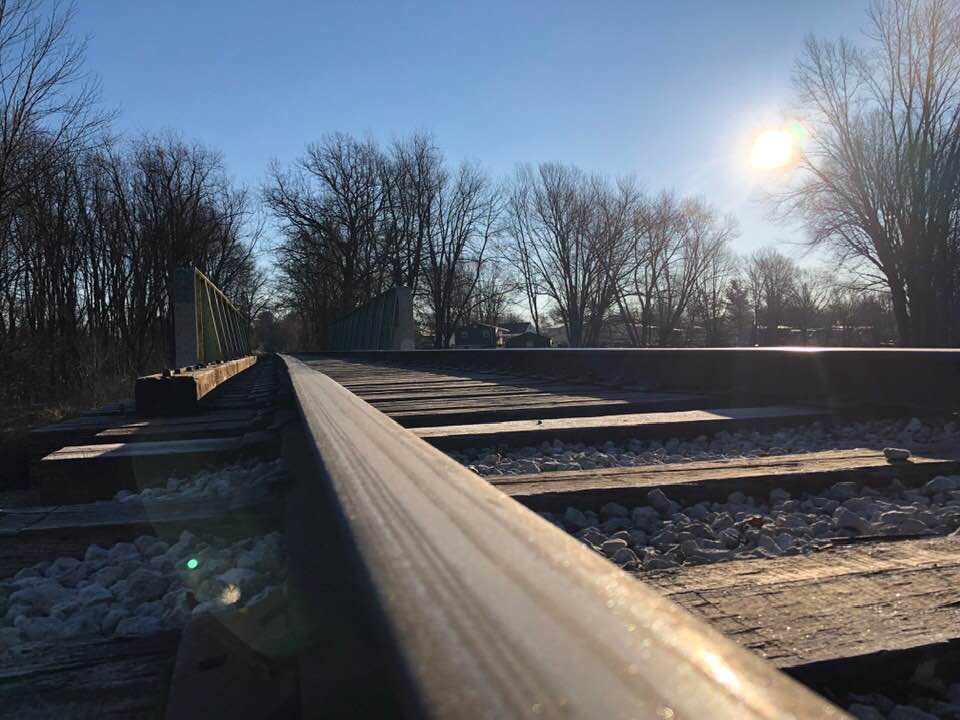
(9, 636)
(246, 580)
(93, 594)
(108, 625)
(94, 553)
(896, 454)
(41, 596)
(138, 625)
(37, 628)
(148, 586)
(222, 482)
(576, 517)
(122, 550)
(900, 433)
(865, 712)
(942, 483)
(625, 556)
(908, 712)
(612, 546)
(614, 510)
(661, 503)
(743, 527)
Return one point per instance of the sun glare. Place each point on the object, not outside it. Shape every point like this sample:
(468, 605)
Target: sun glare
(773, 149)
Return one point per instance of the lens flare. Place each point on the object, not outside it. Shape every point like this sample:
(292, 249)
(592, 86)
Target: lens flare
(773, 149)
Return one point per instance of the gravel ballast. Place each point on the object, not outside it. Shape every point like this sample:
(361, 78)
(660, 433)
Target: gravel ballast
(207, 484)
(664, 534)
(138, 588)
(930, 706)
(558, 455)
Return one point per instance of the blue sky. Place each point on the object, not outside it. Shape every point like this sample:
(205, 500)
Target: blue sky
(669, 91)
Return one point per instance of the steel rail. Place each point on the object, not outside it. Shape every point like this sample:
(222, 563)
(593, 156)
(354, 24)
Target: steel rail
(494, 612)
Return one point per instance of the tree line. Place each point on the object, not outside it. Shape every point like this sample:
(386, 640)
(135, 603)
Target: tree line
(876, 185)
(600, 260)
(91, 224)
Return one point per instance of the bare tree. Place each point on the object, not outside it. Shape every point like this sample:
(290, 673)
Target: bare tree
(493, 293)
(711, 297)
(520, 251)
(412, 172)
(569, 232)
(50, 104)
(771, 277)
(466, 218)
(880, 176)
(740, 313)
(677, 242)
(334, 197)
(809, 297)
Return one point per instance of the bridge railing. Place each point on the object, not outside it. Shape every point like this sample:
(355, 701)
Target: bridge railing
(384, 323)
(207, 326)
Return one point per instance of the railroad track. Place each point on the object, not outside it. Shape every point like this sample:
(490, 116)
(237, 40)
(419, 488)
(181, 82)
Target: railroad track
(502, 534)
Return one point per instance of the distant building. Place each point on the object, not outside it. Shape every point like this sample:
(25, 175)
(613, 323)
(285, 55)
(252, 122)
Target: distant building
(528, 340)
(479, 335)
(518, 328)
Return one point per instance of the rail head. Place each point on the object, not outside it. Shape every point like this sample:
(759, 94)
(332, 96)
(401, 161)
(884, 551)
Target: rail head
(494, 612)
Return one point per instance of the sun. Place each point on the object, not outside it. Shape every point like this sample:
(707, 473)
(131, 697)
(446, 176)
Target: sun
(773, 149)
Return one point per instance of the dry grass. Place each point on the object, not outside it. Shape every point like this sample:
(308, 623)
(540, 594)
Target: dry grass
(102, 391)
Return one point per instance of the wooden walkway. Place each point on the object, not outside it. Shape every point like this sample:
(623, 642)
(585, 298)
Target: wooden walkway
(417, 398)
(831, 609)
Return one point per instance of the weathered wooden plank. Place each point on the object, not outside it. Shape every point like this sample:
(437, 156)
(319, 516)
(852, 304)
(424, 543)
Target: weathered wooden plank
(476, 591)
(30, 521)
(159, 433)
(118, 407)
(91, 471)
(179, 394)
(225, 667)
(447, 392)
(539, 399)
(715, 479)
(471, 389)
(101, 422)
(845, 602)
(31, 535)
(359, 375)
(91, 678)
(543, 408)
(608, 427)
(87, 430)
(236, 404)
